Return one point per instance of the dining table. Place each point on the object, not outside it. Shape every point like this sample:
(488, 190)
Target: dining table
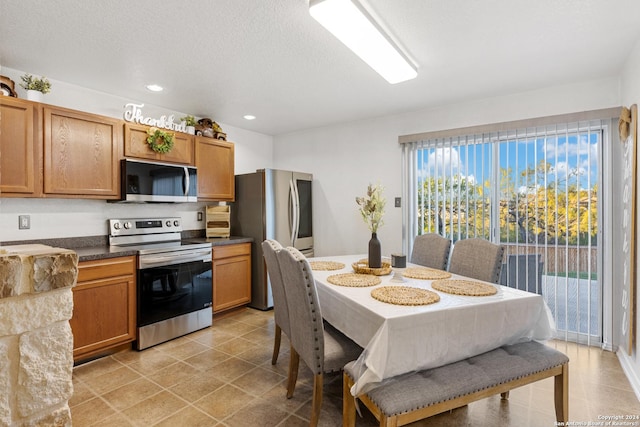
(398, 339)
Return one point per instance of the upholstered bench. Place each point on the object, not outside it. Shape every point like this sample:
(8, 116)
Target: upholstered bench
(413, 396)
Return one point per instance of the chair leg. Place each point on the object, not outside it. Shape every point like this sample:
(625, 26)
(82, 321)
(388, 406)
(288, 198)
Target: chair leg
(276, 345)
(317, 399)
(348, 403)
(505, 395)
(561, 394)
(294, 361)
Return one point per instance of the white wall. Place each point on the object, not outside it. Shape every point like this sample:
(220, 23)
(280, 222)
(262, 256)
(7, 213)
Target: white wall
(346, 157)
(630, 94)
(51, 218)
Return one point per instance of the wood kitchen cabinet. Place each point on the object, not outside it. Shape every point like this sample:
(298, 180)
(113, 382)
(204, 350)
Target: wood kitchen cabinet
(216, 173)
(231, 276)
(104, 306)
(135, 145)
(81, 154)
(20, 148)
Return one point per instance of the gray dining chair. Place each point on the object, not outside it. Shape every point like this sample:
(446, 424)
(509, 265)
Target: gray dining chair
(477, 259)
(431, 250)
(280, 310)
(320, 346)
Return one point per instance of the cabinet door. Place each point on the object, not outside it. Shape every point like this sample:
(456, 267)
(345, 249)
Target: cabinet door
(103, 305)
(20, 149)
(231, 276)
(135, 145)
(215, 163)
(81, 154)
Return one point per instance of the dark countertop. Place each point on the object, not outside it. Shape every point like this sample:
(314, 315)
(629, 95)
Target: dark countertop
(97, 247)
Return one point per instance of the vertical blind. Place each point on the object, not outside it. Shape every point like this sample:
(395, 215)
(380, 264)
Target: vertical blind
(531, 186)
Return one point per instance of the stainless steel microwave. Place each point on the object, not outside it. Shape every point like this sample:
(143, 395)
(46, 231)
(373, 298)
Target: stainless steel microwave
(158, 182)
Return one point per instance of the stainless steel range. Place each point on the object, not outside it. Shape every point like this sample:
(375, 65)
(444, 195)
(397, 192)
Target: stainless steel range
(174, 286)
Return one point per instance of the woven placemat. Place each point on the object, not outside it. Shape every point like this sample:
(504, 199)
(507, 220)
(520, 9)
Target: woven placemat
(404, 295)
(425, 273)
(326, 265)
(354, 280)
(464, 287)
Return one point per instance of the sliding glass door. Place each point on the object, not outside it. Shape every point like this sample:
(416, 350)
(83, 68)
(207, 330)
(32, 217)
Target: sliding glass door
(533, 190)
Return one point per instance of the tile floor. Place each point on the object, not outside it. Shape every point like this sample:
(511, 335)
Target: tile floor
(222, 376)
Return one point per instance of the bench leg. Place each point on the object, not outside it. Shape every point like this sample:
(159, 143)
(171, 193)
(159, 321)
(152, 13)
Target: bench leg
(505, 395)
(561, 392)
(348, 403)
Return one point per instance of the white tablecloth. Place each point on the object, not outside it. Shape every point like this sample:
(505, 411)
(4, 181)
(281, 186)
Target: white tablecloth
(399, 339)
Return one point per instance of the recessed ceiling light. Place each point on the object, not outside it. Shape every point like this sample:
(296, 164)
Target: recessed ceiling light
(155, 88)
(249, 117)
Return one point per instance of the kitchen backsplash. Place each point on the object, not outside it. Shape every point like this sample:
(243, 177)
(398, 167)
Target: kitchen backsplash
(54, 218)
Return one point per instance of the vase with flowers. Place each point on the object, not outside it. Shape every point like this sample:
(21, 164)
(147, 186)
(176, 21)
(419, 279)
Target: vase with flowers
(372, 210)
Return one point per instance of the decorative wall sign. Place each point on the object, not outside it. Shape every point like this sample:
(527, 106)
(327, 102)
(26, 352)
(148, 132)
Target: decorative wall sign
(628, 128)
(133, 113)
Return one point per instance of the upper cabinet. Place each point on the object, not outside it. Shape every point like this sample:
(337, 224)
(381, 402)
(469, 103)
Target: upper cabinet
(20, 149)
(81, 154)
(215, 163)
(135, 145)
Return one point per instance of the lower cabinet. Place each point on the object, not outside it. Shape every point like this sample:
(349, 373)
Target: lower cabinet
(104, 306)
(231, 276)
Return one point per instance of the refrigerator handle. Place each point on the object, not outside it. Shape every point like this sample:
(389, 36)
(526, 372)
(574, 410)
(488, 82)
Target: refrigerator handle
(293, 212)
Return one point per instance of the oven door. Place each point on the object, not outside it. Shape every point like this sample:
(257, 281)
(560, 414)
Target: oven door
(168, 291)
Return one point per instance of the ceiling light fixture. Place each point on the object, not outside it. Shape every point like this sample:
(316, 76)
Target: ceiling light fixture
(353, 26)
(155, 88)
(249, 117)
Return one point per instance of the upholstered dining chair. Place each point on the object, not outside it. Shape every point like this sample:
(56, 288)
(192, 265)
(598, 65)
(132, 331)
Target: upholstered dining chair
(431, 250)
(320, 346)
(280, 310)
(478, 259)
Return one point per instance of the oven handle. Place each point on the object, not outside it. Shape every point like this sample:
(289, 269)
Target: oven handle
(149, 261)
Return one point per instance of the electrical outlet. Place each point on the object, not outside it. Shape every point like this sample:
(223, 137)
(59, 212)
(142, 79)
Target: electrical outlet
(398, 202)
(24, 222)
(199, 216)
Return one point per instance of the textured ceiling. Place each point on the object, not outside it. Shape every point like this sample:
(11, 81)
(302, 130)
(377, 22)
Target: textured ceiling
(227, 58)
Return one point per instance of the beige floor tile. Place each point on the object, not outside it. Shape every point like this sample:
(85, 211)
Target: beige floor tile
(207, 359)
(90, 412)
(131, 394)
(256, 413)
(231, 369)
(111, 380)
(237, 345)
(190, 417)
(196, 386)
(224, 402)
(81, 393)
(185, 350)
(258, 381)
(173, 374)
(154, 408)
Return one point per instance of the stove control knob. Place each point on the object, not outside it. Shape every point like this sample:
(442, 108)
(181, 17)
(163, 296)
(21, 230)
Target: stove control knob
(116, 226)
(168, 223)
(127, 225)
(176, 223)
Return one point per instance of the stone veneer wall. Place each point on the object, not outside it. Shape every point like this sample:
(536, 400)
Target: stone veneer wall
(36, 343)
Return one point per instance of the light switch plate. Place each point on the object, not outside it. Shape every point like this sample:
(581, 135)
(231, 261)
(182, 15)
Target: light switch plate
(398, 202)
(24, 222)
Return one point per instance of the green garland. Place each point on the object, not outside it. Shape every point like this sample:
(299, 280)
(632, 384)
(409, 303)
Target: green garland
(159, 140)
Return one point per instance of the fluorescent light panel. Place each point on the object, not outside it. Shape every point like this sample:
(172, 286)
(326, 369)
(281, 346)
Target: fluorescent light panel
(349, 22)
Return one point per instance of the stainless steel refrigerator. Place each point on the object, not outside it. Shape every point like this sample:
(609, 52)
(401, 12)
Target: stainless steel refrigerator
(272, 204)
